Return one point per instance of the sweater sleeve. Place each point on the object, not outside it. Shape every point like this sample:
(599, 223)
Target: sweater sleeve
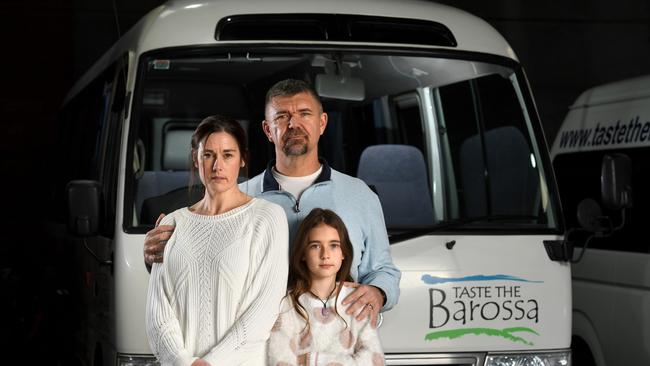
(163, 329)
(283, 333)
(265, 286)
(376, 267)
(367, 351)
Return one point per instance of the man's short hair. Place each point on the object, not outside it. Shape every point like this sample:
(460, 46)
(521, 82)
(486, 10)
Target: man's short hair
(290, 87)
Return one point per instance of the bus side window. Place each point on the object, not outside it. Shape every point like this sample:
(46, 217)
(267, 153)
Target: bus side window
(409, 121)
(88, 141)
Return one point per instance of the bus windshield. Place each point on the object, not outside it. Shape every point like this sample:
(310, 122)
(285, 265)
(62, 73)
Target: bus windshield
(445, 143)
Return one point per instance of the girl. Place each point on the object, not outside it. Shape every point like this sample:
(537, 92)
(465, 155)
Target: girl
(313, 328)
(225, 264)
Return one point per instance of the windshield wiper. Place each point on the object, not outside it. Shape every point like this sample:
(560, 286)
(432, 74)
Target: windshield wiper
(453, 223)
(400, 234)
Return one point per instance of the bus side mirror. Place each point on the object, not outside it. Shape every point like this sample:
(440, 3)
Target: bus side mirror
(616, 181)
(590, 215)
(84, 200)
(591, 219)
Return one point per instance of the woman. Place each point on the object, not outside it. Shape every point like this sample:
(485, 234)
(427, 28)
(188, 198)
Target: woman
(215, 298)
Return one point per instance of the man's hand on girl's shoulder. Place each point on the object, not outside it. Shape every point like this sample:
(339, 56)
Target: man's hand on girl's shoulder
(366, 300)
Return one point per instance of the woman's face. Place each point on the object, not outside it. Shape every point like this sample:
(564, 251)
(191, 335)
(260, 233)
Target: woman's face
(218, 161)
(323, 255)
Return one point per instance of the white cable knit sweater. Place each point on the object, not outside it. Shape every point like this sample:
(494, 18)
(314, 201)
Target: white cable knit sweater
(217, 294)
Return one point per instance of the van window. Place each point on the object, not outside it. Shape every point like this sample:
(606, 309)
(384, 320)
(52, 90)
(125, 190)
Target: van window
(491, 158)
(578, 177)
(466, 150)
(89, 140)
(408, 115)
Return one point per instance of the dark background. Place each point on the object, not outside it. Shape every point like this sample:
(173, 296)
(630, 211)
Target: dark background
(565, 47)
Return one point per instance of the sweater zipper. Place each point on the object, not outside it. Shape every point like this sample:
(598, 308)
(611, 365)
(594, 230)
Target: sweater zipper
(296, 207)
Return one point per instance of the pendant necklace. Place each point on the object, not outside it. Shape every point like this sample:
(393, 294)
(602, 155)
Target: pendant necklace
(324, 311)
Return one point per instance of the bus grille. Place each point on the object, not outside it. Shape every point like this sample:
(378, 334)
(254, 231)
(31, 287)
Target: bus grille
(437, 359)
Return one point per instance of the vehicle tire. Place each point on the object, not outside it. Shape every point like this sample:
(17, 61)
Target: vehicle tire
(581, 353)
(98, 359)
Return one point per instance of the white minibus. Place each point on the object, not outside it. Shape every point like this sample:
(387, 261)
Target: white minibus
(427, 104)
(611, 283)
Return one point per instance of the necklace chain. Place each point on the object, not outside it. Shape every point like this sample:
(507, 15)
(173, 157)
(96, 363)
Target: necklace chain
(326, 299)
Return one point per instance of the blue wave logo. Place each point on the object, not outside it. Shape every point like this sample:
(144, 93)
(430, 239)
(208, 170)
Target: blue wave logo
(433, 280)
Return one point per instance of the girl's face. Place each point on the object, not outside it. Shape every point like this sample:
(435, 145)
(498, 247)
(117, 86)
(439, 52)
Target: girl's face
(218, 161)
(323, 255)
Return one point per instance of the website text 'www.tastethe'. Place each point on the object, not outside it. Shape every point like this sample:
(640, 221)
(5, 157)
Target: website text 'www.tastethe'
(621, 133)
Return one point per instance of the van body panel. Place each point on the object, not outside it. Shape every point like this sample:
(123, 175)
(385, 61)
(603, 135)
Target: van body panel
(615, 268)
(618, 91)
(610, 126)
(199, 20)
(471, 297)
(131, 275)
(607, 117)
(133, 280)
(611, 284)
(584, 329)
(613, 305)
(474, 262)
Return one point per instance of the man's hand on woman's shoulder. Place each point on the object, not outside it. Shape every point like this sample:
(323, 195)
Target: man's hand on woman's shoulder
(154, 242)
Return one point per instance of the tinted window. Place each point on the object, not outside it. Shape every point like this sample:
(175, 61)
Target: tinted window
(478, 160)
(88, 141)
(492, 162)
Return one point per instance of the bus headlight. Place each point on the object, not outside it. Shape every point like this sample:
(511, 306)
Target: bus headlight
(530, 359)
(137, 360)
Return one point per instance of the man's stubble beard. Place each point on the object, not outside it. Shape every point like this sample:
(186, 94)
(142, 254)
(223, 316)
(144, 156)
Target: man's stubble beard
(293, 146)
(295, 149)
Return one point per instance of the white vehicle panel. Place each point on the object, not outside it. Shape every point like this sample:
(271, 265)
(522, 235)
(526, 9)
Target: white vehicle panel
(132, 279)
(458, 300)
(605, 127)
(612, 290)
(198, 20)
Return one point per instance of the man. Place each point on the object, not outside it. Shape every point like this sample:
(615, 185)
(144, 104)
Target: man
(298, 181)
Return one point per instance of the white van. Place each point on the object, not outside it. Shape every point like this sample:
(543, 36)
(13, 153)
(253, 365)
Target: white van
(611, 284)
(453, 147)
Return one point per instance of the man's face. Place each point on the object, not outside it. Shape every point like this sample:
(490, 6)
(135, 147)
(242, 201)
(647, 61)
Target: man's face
(294, 123)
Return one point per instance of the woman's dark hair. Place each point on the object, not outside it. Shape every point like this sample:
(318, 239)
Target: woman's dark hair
(214, 124)
(299, 276)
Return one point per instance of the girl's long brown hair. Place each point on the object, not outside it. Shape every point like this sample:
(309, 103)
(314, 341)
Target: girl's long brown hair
(299, 275)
